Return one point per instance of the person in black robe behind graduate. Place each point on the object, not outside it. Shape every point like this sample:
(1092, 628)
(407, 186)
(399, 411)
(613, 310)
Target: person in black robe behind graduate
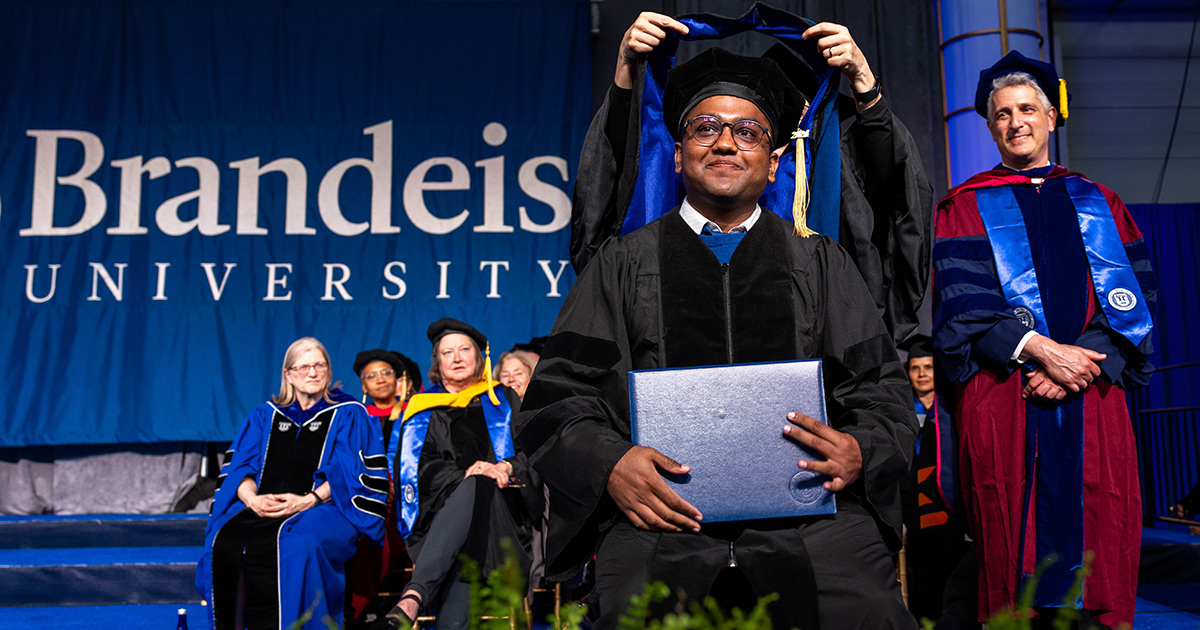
(722, 281)
(886, 204)
(461, 486)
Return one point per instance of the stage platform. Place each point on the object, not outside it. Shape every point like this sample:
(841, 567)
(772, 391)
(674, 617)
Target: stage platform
(135, 572)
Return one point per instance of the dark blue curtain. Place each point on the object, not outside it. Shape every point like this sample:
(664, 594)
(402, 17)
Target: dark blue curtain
(1166, 414)
(1173, 235)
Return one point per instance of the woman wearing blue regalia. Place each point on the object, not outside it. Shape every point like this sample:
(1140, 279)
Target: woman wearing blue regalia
(304, 478)
(461, 489)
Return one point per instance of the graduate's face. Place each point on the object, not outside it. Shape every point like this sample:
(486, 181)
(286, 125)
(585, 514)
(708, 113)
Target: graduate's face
(722, 176)
(379, 381)
(309, 373)
(457, 361)
(920, 375)
(1021, 126)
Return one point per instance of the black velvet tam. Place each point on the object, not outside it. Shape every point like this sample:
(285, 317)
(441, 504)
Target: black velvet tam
(917, 346)
(718, 72)
(1044, 73)
(411, 369)
(448, 325)
(367, 356)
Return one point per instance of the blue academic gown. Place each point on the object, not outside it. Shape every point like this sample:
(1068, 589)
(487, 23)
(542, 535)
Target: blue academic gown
(313, 545)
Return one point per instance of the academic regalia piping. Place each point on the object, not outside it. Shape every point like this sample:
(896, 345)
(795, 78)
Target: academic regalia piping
(411, 441)
(349, 456)
(656, 298)
(1003, 237)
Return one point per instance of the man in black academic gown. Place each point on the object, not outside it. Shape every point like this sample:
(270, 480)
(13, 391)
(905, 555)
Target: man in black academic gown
(723, 281)
(886, 199)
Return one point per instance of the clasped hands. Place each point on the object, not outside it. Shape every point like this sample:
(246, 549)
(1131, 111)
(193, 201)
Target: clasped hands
(280, 505)
(639, 490)
(1061, 368)
(501, 472)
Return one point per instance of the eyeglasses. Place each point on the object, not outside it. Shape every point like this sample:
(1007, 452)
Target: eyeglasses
(706, 130)
(304, 369)
(370, 376)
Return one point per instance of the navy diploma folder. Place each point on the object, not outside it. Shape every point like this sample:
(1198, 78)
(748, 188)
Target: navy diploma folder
(726, 422)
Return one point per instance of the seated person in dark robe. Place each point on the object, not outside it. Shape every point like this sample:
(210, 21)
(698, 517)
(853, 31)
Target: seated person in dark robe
(1188, 505)
(886, 202)
(723, 281)
(306, 477)
(384, 377)
(515, 368)
(461, 486)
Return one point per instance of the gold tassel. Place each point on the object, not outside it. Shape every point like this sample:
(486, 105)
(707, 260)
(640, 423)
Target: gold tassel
(801, 198)
(487, 373)
(1062, 98)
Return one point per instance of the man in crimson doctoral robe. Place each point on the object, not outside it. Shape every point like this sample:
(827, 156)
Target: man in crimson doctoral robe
(1044, 306)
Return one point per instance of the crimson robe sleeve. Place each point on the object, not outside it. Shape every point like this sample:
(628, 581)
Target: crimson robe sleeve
(973, 326)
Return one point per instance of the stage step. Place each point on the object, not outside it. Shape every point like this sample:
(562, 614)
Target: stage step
(99, 560)
(134, 572)
(98, 575)
(125, 530)
(1169, 557)
(126, 617)
(1168, 581)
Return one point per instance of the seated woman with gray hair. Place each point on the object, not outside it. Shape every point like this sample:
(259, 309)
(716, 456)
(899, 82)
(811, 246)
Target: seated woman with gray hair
(461, 487)
(304, 478)
(514, 369)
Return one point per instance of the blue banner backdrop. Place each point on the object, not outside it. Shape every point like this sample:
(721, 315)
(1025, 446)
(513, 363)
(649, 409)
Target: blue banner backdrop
(189, 185)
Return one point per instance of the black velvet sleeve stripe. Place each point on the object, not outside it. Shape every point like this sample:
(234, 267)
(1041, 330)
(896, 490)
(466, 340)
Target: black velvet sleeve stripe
(370, 506)
(373, 462)
(594, 352)
(586, 353)
(378, 484)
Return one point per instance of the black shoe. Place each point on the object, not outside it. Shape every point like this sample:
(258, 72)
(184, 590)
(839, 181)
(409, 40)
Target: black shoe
(397, 620)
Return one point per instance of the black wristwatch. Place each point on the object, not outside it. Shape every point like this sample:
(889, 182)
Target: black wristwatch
(869, 95)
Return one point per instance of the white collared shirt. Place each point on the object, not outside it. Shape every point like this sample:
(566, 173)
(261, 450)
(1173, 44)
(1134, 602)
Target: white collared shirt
(696, 221)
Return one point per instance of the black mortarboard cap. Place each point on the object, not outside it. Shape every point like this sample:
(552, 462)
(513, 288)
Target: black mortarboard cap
(917, 346)
(535, 345)
(718, 72)
(447, 325)
(367, 356)
(411, 369)
(1044, 73)
(803, 77)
